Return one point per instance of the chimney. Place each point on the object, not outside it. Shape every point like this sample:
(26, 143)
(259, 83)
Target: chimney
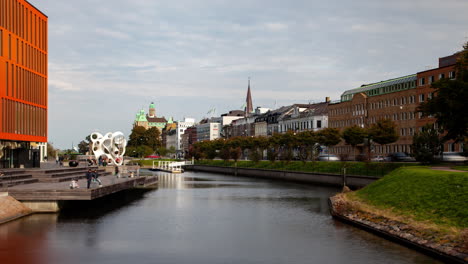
(327, 99)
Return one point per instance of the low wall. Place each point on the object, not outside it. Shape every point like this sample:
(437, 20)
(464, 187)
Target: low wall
(11, 209)
(410, 236)
(304, 177)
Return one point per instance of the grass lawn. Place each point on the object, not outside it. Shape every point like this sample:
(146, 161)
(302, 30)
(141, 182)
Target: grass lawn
(378, 169)
(440, 197)
(463, 168)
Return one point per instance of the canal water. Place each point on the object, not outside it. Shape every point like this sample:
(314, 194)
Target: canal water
(199, 218)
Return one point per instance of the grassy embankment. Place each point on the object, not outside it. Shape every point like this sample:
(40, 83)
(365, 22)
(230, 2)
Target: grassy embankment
(419, 196)
(460, 167)
(378, 169)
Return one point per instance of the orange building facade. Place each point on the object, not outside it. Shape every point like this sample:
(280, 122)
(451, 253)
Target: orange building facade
(23, 83)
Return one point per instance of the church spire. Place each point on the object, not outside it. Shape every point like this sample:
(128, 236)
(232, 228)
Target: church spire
(248, 103)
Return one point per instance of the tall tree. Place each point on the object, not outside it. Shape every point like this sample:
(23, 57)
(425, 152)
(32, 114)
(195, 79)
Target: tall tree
(427, 144)
(354, 136)
(152, 138)
(383, 132)
(137, 136)
(329, 137)
(449, 104)
(306, 141)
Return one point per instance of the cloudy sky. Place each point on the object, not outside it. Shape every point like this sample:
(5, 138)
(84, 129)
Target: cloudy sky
(108, 59)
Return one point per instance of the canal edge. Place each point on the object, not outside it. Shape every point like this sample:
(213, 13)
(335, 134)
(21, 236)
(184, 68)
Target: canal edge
(380, 230)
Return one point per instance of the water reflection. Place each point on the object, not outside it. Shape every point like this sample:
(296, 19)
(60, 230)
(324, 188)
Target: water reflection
(22, 241)
(199, 218)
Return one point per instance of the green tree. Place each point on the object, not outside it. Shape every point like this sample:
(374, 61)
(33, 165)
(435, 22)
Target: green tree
(162, 151)
(329, 137)
(449, 103)
(383, 132)
(273, 147)
(427, 144)
(287, 142)
(51, 151)
(354, 136)
(139, 151)
(83, 147)
(152, 138)
(137, 137)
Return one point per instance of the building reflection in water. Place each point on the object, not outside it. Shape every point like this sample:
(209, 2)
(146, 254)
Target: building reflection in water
(22, 240)
(170, 181)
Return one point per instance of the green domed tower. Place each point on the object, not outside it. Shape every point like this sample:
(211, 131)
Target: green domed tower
(152, 110)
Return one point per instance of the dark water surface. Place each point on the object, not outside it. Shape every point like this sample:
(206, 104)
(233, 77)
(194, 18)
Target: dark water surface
(199, 218)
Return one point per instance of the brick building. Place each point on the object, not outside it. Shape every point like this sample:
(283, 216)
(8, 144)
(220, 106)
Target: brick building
(396, 99)
(446, 69)
(393, 99)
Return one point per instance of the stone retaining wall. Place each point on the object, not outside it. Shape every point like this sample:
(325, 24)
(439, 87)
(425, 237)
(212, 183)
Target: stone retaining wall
(430, 243)
(304, 177)
(11, 209)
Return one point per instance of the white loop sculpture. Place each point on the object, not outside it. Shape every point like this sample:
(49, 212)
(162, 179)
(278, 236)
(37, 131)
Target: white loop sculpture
(111, 145)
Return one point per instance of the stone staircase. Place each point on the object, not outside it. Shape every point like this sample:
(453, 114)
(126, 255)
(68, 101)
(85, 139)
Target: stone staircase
(65, 174)
(12, 177)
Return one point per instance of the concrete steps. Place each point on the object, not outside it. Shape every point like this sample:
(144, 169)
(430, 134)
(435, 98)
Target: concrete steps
(15, 177)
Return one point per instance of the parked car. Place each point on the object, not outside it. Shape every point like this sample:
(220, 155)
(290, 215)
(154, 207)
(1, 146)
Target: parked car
(452, 157)
(400, 156)
(328, 157)
(378, 158)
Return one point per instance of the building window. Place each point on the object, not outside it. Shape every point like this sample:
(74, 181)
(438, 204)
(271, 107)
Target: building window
(421, 81)
(441, 76)
(421, 98)
(452, 75)
(451, 147)
(430, 79)
(430, 95)
(319, 123)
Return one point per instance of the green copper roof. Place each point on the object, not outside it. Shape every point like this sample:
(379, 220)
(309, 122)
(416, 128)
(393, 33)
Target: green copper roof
(171, 120)
(151, 105)
(371, 86)
(141, 116)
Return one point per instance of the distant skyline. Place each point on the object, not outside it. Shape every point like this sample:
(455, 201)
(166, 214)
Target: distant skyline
(108, 60)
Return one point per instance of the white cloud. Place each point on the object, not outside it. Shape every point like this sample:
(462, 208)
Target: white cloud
(112, 33)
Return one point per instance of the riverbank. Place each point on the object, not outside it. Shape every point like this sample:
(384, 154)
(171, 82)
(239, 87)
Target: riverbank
(421, 208)
(375, 169)
(11, 209)
(337, 180)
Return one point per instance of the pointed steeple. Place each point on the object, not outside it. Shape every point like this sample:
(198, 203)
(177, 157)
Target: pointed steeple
(248, 102)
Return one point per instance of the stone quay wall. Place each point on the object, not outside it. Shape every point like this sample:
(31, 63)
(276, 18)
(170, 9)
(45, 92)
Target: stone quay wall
(429, 243)
(296, 176)
(11, 209)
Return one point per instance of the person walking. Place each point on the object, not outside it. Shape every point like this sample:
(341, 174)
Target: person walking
(96, 177)
(89, 176)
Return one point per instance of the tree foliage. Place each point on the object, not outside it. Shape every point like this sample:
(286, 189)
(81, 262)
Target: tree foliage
(427, 144)
(383, 132)
(354, 135)
(329, 137)
(449, 104)
(51, 151)
(149, 138)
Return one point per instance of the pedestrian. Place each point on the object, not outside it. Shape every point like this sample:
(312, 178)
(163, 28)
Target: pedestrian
(74, 184)
(117, 173)
(96, 177)
(89, 177)
(100, 161)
